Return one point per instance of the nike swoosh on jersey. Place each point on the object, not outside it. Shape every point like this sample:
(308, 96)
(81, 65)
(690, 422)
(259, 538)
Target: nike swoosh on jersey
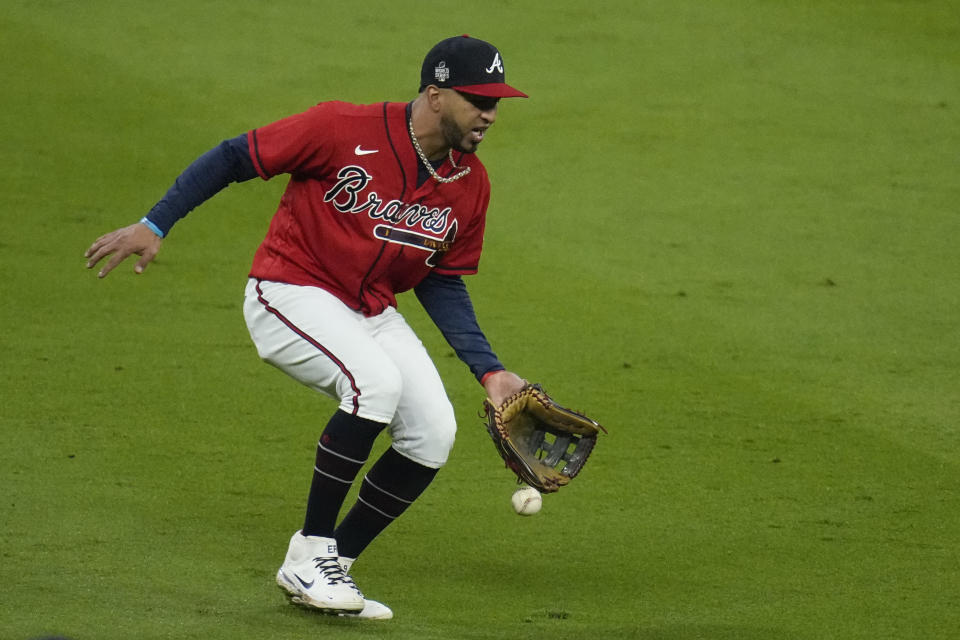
(364, 152)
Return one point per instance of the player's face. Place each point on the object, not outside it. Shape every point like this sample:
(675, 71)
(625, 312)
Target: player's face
(466, 118)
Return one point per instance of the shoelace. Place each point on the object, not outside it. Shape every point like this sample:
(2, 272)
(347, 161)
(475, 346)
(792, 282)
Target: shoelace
(332, 571)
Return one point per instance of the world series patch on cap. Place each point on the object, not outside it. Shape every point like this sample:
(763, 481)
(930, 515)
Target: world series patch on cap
(469, 65)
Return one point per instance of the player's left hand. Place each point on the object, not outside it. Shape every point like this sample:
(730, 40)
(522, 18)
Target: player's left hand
(136, 239)
(501, 385)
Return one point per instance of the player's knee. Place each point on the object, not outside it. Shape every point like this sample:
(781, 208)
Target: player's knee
(444, 438)
(377, 396)
(431, 445)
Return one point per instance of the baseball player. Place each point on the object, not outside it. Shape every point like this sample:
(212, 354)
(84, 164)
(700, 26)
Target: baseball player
(381, 198)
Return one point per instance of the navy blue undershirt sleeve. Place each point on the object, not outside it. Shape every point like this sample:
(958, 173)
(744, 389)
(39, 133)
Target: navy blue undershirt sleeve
(205, 177)
(447, 302)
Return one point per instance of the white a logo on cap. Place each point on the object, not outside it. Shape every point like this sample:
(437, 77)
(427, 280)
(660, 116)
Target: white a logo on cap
(496, 64)
(440, 72)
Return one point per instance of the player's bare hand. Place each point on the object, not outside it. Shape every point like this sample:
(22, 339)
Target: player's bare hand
(136, 239)
(501, 385)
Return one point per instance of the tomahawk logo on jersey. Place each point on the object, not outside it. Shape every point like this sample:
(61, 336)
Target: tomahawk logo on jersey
(344, 198)
(352, 219)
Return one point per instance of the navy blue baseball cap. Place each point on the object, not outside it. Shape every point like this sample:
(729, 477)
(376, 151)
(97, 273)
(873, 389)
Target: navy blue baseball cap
(468, 65)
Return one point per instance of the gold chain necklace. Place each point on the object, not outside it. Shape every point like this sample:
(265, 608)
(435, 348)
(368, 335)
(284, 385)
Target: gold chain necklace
(426, 162)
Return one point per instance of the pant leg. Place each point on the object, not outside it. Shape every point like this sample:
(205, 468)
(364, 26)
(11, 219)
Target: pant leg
(313, 337)
(424, 425)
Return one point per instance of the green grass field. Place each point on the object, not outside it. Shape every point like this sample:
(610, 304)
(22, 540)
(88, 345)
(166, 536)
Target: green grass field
(728, 230)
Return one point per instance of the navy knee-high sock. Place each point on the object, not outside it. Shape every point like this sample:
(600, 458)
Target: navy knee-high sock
(390, 486)
(342, 450)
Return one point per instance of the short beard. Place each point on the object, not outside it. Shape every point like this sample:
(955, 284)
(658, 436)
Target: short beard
(453, 135)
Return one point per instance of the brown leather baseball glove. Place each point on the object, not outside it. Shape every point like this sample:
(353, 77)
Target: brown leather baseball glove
(545, 444)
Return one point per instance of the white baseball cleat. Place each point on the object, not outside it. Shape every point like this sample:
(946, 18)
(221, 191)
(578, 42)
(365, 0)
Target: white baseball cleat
(312, 577)
(372, 610)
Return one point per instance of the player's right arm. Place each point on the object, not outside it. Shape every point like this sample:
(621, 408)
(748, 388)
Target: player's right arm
(209, 174)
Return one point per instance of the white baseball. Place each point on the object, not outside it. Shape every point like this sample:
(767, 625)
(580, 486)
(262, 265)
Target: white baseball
(526, 501)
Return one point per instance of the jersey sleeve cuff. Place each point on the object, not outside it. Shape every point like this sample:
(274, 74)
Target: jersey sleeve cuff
(253, 145)
(456, 271)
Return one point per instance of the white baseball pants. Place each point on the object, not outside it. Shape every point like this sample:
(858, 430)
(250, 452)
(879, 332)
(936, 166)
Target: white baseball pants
(377, 367)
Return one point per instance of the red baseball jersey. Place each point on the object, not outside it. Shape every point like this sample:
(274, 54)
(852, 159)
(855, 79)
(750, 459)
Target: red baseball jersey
(352, 219)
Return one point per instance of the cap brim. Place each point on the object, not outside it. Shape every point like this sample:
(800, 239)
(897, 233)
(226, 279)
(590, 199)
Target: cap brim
(492, 90)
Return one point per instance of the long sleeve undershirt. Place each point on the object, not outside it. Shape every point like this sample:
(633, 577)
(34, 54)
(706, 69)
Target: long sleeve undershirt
(445, 298)
(209, 174)
(448, 304)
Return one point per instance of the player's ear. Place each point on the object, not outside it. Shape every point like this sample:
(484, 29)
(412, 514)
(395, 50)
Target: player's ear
(434, 96)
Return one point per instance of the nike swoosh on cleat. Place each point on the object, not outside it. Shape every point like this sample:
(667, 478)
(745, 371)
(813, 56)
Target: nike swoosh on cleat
(364, 152)
(306, 585)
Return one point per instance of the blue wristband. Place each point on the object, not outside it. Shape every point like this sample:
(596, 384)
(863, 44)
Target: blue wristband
(151, 226)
